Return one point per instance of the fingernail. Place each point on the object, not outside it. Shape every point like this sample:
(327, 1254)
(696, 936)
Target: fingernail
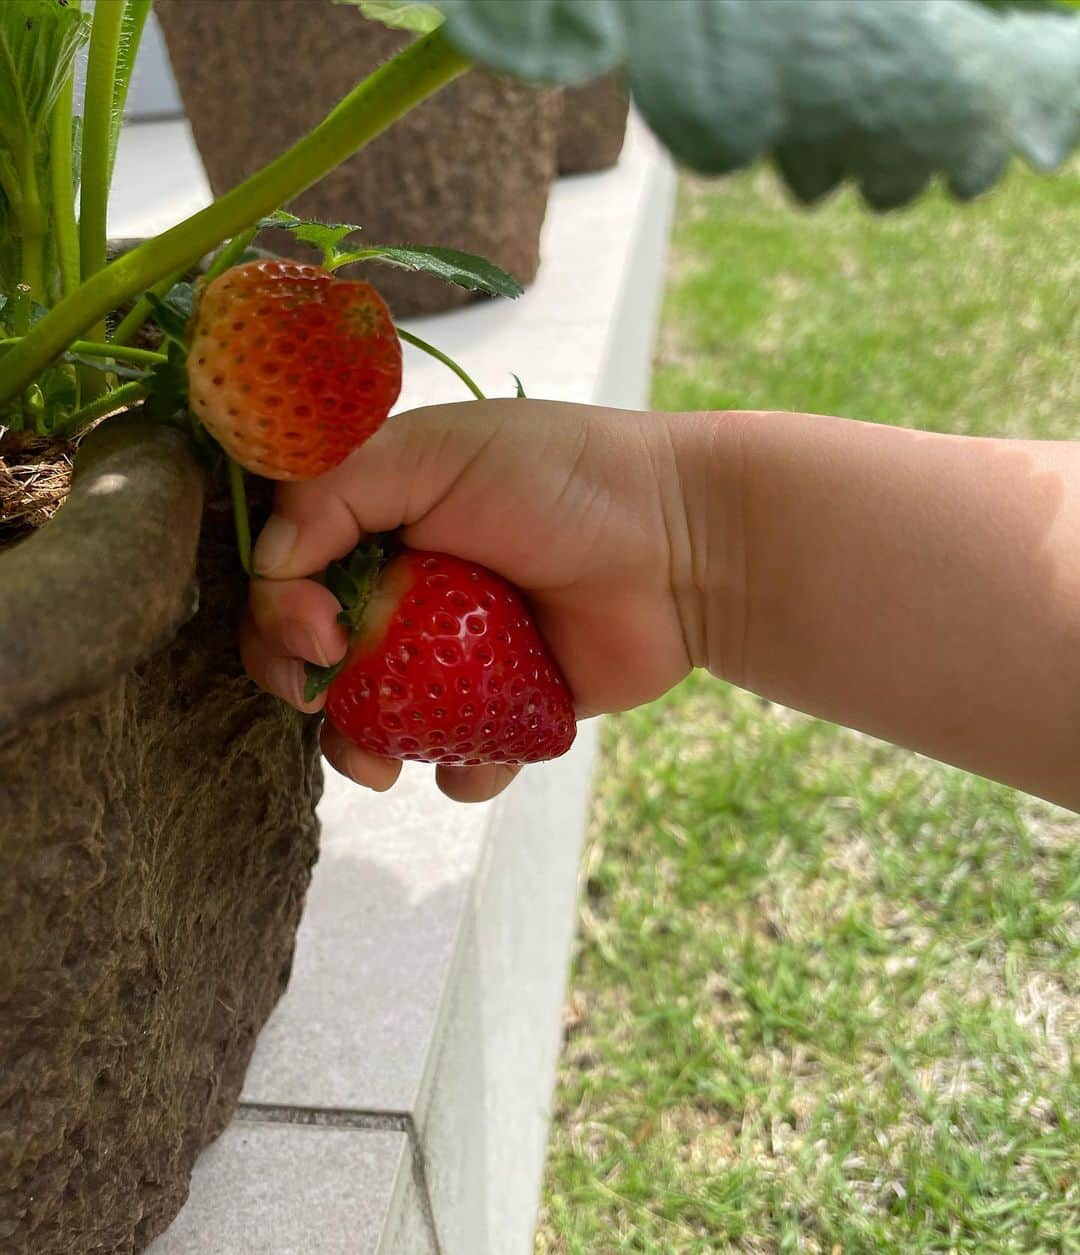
(300, 640)
(276, 542)
(286, 680)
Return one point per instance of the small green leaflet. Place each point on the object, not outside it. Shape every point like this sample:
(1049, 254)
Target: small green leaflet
(406, 15)
(449, 264)
(172, 313)
(325, 236)
(520, 387)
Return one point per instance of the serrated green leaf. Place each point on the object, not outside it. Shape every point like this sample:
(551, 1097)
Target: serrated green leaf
(883, 92)
(327, 237)
(449, 264)
(408, 15)
(38, 43)
(39, 40)
(131, 29)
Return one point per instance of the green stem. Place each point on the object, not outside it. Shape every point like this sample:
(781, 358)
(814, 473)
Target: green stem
(33, 228)
(17, 311)
(230, 254)
(142, 309)
(240, 514)
(121, 352)
(97, 130)
(104, 404)
(94, 184)
(395, 87)
(131, 28)
(62, 188)
(440, 356)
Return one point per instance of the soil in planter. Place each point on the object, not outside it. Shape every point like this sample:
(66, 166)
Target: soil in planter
(35, 472)
(35, 475)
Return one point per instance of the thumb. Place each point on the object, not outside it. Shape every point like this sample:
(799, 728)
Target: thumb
(392, 480)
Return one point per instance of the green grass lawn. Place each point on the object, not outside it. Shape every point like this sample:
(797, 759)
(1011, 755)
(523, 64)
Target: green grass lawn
(827, 993)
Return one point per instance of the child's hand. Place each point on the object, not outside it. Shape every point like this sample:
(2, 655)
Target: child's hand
(582, 508)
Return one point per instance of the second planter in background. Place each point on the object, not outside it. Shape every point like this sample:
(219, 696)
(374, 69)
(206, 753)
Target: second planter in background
(470, 169)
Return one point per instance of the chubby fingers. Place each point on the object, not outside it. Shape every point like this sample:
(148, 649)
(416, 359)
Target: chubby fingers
(277, 673)
(298, 618)
(460, 784)
(283, 675)
(350, 760)
(475, 784)
(288, 623)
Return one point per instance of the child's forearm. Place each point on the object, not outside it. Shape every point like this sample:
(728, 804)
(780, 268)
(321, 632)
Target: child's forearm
(922, 588)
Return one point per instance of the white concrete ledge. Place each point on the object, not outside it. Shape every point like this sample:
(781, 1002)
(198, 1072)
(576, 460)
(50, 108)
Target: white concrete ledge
(400, 1095)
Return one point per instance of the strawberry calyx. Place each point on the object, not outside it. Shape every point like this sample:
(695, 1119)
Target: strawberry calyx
(353, 581)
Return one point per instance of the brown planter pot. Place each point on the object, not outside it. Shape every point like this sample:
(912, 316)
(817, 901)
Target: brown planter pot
(469, 169)
(157, 832)
(593, 125)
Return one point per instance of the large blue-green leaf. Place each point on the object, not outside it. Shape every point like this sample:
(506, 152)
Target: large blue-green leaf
(885, 92)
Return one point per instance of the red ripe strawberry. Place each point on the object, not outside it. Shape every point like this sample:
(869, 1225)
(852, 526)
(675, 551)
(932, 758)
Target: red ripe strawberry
(290, 368)
(448, 667)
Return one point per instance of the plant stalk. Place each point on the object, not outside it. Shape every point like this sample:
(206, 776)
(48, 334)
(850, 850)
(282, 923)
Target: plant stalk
(135, 13)
(413, 74)
(121, 352)
(142, 309)
(62, 188)
(240, 514)
(97, 129)
(100, 406)
(440, 356)
(94, 183)
(33, 228)
(230, 254)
